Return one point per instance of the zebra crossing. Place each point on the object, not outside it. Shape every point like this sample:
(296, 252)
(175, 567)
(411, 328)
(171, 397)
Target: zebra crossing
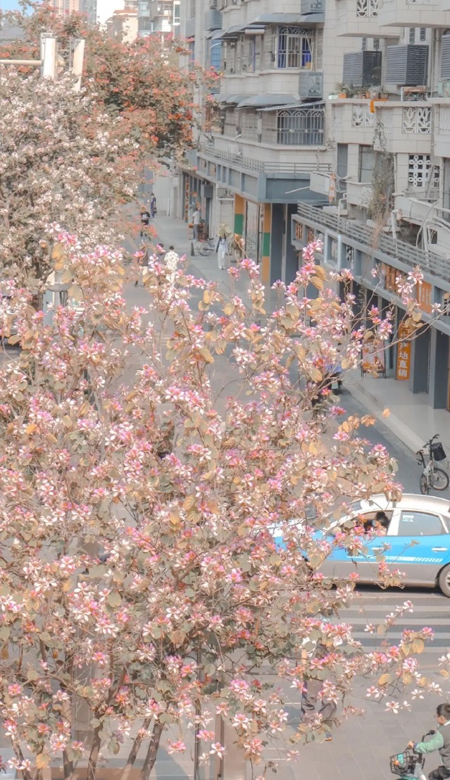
(371, 605)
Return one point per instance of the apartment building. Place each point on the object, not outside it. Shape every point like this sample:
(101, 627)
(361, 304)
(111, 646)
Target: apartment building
(333, 119)
(66, 7)
(267, 131)
(388, 191)
(159, 17)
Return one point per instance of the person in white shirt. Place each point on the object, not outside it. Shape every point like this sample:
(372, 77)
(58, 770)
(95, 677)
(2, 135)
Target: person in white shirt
(171, 260)
(196, 221)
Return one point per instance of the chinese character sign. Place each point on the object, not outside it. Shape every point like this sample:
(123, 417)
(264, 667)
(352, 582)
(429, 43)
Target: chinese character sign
(403, 359)
(424, 296)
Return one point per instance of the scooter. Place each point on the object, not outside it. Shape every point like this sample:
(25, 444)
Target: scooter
(409, 764)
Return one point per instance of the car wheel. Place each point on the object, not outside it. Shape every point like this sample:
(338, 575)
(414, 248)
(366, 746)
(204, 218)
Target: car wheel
(424, 486)
(444, 581)
(439, 479)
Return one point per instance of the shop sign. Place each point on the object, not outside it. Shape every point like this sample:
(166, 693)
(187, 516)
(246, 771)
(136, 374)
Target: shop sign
(424, 296)
(390, 277)
(373, 357)
(403, 356)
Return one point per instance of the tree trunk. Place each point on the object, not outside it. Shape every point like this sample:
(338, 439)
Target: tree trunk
(93, 756)
(152, 751)
(135, 749)
(68, 765)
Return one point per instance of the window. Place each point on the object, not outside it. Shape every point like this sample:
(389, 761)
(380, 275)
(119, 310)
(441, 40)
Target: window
(191, 47)
(300, 126)
(364, 44)
(215, 55)
(366, 163)
(419, 172)
(419, 524)
(423, 34)
(294, 48)
(412, 35)
(376, 44)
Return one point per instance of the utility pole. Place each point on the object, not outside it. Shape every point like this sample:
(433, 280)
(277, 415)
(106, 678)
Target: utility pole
(49, 59)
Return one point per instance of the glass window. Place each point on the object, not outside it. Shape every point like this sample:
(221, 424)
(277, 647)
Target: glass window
(419, 524)
(412, 35)
(216, 55)
(366, 163)
(294, 48)
(423, 34)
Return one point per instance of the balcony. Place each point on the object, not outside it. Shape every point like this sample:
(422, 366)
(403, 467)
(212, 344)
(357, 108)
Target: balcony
(235, 158)
(354, 123)
(403, 127)
(378, 244)
(413, 13)
(360, 19)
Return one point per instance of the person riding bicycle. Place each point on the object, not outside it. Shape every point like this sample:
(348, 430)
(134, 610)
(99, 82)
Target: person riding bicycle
(439, 741)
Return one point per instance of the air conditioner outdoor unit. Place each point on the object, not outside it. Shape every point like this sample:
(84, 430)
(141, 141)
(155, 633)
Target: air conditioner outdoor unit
(224, 194)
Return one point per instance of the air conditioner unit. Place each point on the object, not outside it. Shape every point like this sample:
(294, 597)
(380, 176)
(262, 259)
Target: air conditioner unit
(445, 57)
(224, 194)
(362, 68)
(407, 65)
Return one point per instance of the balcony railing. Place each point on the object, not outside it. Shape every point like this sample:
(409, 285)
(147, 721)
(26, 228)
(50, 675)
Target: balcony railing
(416, 120)
(367, 8)
(375, 241)
(262, 166)
(362, 116)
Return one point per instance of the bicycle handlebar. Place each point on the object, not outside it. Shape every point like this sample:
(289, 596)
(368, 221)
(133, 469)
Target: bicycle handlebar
(430, 441)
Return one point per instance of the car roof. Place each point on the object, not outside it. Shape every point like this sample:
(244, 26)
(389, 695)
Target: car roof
(407, 501)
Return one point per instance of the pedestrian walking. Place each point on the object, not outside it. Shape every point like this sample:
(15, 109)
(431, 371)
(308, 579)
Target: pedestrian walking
(145, 221)
(171, 259)
(196, 222)
(222, 245)
(153, 209)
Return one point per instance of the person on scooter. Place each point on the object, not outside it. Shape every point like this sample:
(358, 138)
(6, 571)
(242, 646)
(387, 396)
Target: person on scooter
(439, 741)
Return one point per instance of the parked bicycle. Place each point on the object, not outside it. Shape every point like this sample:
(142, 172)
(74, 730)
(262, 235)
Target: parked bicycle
(432, 476)
(206, 246)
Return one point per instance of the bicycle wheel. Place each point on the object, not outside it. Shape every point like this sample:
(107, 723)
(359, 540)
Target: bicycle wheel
(208, 249)
(424, 485)
(204, 248)
(439, 479)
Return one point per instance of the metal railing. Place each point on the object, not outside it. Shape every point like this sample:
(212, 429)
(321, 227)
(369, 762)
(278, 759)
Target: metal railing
(378, 242)
(262, 166)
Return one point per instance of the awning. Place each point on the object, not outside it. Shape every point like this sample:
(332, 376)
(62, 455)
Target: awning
(214, 34)
(266, 19)
(231, 32)
(260, 101)
(319, 104)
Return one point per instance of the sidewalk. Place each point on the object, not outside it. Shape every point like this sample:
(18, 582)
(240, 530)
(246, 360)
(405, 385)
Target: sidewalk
(411, 418)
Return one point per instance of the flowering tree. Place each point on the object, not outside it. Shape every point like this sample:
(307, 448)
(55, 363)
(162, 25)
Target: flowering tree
(142, 81)
(59, 162)
(146, 457)
(74, 158)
